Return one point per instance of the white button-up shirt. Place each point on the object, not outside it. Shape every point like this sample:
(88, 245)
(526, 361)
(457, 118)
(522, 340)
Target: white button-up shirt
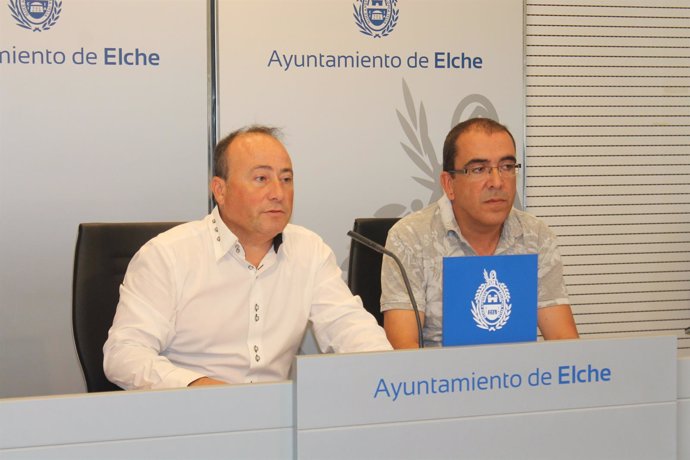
(192, 306)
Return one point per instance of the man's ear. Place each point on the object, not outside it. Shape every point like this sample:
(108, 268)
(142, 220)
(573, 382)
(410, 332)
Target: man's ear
(218, 189)
(447, 185)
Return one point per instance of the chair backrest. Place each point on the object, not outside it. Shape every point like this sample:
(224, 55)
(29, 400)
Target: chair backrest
(102, 254)
(364, 269)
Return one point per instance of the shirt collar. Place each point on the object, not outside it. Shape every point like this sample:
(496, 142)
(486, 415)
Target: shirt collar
(447, 216)
(224, 240)
(511, 231)
(511, 227)
(277, 241)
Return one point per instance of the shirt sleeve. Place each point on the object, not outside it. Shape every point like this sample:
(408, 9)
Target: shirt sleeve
(402, 242)
(551, 285)
(144, 325)
(340, 322)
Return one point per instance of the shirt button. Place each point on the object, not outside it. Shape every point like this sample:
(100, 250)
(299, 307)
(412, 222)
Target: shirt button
(256, 307)
(218, 238)
(237, 249)
(256, 348)
(257, 358)
(250, 267)
(256, 317)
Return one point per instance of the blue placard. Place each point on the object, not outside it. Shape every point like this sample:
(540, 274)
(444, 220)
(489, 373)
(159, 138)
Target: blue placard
(489, 299)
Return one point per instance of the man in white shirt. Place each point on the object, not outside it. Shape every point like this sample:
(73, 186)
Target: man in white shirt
(227, 299)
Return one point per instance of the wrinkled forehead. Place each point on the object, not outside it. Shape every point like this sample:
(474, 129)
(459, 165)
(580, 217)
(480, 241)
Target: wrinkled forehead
(482, 145)
(250, 150)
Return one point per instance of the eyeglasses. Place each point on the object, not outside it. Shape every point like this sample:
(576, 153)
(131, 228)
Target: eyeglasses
(506, 170)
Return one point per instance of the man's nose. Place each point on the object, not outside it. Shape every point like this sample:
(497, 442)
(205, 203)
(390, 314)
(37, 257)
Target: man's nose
(277, 190)
(495, 180)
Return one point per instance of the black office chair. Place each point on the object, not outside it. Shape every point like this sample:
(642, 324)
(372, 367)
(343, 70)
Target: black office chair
(102, 254)
(364, 269)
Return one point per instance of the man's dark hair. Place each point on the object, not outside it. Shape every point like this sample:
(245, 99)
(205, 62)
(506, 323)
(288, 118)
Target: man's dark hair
(220, 159)
(487, 125)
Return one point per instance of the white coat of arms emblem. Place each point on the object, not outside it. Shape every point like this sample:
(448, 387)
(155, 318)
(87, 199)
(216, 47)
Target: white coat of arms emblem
(491, 307)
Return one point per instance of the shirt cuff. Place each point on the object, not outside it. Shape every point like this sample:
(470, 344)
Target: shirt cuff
(179, 378)
(553, 302)
(399, 305)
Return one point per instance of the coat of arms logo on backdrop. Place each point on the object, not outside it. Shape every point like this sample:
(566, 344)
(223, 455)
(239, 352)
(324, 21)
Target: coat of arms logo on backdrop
(376, 18)
(35, 15)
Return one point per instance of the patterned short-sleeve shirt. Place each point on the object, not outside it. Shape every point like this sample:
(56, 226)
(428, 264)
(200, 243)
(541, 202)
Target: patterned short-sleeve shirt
(422, 239)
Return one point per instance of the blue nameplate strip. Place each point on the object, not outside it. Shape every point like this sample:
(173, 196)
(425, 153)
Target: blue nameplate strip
(489, 299)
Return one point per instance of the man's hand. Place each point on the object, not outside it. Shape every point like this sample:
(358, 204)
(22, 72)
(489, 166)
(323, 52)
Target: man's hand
(206, 381)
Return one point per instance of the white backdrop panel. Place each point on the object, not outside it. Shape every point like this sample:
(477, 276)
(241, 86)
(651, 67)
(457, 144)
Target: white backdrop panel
(89, 142)
(344, 125)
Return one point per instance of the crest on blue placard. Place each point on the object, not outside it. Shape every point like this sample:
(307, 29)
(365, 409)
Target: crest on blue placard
(35, 15)
(490, 308)
(376, 18)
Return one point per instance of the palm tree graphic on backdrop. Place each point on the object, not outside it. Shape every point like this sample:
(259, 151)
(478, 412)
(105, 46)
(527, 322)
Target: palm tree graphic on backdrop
(420, 150)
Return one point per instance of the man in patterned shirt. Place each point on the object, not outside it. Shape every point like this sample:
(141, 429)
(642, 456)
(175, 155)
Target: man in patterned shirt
(474, 217)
